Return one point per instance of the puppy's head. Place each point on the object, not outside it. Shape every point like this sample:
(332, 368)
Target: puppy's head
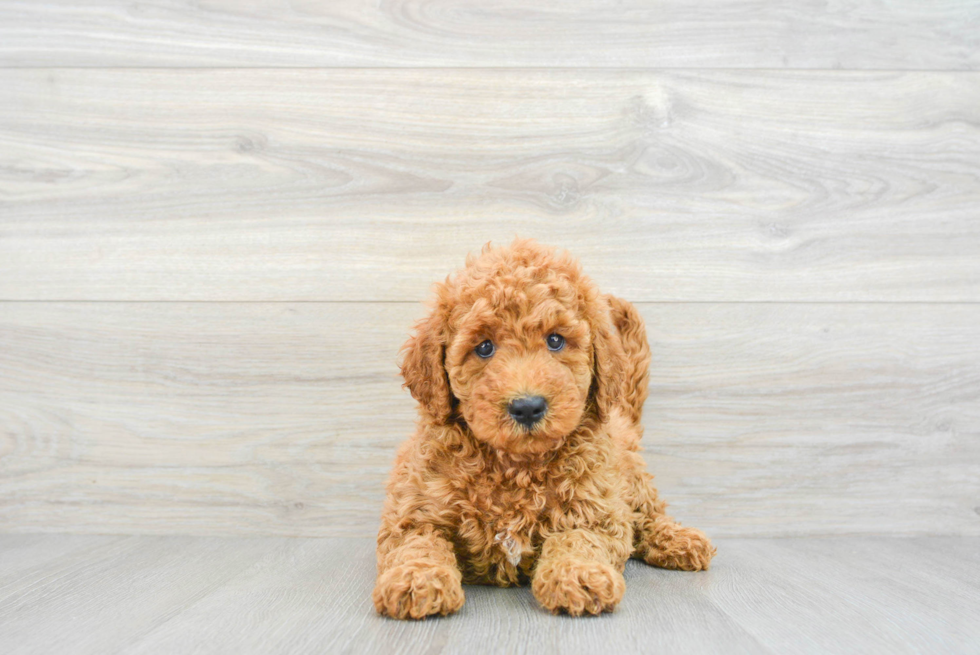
(519, 345)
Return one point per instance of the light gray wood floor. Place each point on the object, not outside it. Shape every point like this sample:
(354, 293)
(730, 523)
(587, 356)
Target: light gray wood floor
(178, 594)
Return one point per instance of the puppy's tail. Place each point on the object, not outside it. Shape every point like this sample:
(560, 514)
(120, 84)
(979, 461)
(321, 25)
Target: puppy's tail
(633, 335)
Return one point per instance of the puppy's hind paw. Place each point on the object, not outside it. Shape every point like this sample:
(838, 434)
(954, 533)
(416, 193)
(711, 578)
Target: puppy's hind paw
(677, 547)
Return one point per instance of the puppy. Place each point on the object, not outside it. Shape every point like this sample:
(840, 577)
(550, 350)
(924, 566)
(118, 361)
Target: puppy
(524, 466)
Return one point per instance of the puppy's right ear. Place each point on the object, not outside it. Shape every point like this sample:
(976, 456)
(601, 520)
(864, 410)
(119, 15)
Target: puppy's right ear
(423, 366)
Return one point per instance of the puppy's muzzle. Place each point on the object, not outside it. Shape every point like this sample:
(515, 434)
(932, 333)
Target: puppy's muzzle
(528, 410)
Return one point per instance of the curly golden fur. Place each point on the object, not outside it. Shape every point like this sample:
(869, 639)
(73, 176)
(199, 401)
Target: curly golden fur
(475, 496)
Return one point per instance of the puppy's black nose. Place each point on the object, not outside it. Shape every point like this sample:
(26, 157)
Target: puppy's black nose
(528, 410)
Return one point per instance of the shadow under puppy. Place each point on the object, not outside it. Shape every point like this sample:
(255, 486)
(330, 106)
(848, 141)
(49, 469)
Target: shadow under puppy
(524, 465)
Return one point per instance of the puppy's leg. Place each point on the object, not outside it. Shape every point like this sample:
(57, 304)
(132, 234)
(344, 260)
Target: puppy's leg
(417, 575)
(581, 571)
(658, 539)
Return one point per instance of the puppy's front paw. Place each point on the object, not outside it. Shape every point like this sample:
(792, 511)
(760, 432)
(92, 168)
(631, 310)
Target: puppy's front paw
(417, 589)
(578, 586)
(677, 547)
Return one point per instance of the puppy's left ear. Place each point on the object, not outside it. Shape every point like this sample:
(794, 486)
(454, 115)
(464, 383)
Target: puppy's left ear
(608, 364)
(423, 367)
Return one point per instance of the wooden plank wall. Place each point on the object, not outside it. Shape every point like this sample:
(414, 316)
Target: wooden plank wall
(217, 220)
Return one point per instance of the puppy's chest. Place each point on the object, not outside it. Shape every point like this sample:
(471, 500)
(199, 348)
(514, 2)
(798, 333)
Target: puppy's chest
(500, 530)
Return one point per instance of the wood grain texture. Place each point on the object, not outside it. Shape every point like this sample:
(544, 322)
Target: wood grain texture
(850, 598)
(276, 595)
(320, 592)
(279, 418)
(23, 553)
(93, 601)
(902, 34)
(370, 184)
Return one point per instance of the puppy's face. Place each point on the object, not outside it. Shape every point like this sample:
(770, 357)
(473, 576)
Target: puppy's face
(513, 346)
(519, 362)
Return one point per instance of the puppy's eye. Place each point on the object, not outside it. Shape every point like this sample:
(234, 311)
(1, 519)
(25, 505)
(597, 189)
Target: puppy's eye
(555, 342)
(485, 349)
